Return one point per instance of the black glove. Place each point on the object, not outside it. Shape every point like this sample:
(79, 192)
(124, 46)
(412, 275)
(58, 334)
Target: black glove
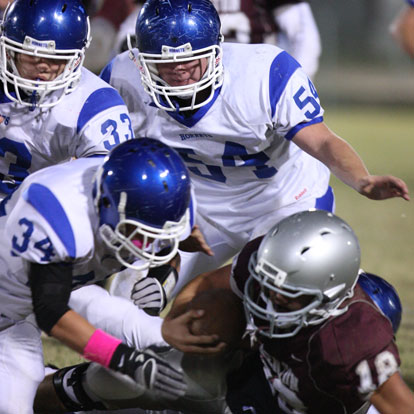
(149, 370)
(152, 293)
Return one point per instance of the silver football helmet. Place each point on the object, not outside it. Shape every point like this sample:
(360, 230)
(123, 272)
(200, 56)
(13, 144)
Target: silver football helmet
(311, 257)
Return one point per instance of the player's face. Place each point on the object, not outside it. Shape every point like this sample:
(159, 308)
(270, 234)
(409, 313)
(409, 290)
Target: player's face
(39, 68)
(182, 73)
(282, 303)
(137, 239)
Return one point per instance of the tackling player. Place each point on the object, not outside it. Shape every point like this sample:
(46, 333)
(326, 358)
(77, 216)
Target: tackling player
(246, 120)
(71, 225)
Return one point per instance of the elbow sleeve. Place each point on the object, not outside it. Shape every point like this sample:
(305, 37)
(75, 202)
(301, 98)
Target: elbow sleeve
(51, 286)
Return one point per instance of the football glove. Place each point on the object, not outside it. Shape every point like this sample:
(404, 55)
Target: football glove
(149, 371)
(153, 292)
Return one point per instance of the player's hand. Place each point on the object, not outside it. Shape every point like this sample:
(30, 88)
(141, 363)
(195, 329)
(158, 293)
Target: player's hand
(177, 332)
(382, 187)
(195, 242)
(154, 373)
(149, 295)
(152, 293)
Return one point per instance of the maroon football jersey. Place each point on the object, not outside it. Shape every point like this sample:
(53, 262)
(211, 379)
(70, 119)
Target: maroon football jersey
(332, 367)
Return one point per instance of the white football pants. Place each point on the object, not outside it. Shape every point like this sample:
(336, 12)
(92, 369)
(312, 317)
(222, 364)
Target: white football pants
(21, 365)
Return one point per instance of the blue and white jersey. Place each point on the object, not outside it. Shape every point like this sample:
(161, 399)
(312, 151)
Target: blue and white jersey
(52, 220)
(238, 147)
(89, 121)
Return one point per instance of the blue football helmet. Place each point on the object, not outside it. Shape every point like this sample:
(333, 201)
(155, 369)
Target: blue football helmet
(142, 196)
(384, 296)
(57, 30)
(312, 255)
(171, 31)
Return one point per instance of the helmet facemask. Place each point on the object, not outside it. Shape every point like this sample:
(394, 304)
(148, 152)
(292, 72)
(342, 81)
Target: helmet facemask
(139, 246)
(282, 323)
(162, 93)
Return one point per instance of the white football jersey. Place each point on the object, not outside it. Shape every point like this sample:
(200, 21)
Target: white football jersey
(238, 147)
(52, 220)
(89, 121)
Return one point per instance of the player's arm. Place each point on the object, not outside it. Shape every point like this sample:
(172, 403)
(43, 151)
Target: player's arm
(175, 329)
(402, 28)
(51, 287)
(393, 397)
(344, 162)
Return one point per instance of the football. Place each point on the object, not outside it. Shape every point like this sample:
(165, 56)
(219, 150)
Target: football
(224, 316)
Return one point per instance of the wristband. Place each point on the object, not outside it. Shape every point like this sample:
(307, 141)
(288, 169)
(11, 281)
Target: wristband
(101, 347)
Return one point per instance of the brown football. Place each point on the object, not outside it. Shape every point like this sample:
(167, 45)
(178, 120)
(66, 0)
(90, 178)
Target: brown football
(224, 315)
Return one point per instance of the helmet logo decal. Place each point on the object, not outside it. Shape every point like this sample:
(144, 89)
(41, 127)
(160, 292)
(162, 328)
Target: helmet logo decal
(170, 51)
(30, 43)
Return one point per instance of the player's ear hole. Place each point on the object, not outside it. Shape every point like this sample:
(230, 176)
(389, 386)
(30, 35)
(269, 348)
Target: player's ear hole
(106, 202)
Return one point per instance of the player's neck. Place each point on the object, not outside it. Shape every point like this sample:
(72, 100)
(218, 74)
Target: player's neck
(201, 96)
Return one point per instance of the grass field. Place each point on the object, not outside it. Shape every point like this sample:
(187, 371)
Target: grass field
(384, 139)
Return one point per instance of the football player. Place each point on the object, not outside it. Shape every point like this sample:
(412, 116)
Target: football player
(74, 224)
(246, 120)
(51, 108)
(324, 344)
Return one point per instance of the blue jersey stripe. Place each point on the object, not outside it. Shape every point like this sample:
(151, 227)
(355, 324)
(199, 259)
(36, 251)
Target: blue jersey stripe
(298, 127)
(281, 70)
(107, 71)
(327, 201)
(45, 202)
(97, 102)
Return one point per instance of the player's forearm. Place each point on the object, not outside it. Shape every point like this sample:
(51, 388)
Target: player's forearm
(345, 163)
(393, 397)
(73, 330)
(335, 153)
